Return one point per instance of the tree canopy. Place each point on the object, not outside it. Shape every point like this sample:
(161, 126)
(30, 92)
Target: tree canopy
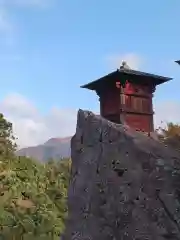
(32, 194)
(170, 135)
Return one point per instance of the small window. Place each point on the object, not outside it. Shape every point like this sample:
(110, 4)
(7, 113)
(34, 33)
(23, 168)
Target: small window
(146, 105)
(128, 101)
(137, 104)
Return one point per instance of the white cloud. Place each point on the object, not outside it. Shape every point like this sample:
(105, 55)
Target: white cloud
(7, 26)
(4, 21)
(26, 3)
(133, 60)
(31, 126)
(166, 112)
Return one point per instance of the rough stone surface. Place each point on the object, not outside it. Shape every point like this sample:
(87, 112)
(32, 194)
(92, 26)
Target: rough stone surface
(124, 185)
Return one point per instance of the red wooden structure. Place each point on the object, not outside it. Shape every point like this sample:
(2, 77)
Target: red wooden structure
(126, 97)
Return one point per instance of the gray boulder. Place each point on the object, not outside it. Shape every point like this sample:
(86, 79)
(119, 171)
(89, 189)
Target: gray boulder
(124, 185)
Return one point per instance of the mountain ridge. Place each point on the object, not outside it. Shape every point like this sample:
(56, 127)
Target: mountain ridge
(55, 148)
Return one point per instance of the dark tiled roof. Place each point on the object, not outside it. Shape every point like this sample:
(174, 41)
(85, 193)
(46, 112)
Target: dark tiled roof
(144, 74)
(113, 76)
(178, 62)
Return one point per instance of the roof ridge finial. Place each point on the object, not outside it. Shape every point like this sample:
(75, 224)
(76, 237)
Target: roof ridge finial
(124, 65)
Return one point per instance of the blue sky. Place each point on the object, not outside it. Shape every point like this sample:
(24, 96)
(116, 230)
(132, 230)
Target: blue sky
(49, 49)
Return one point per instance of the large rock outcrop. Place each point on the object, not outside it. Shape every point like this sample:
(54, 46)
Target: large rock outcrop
(124, 185)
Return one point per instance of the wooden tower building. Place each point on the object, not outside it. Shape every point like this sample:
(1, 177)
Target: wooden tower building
(126, 96)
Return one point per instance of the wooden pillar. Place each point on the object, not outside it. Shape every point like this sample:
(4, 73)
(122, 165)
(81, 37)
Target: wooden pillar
(122, 105)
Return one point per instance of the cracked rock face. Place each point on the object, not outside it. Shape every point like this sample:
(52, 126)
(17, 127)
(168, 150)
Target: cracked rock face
(124, 185)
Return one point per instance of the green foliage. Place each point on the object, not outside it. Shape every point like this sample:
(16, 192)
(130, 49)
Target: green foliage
(33, 198)
(7, 140)
(171, 130)
(32, 195)
(170, 135)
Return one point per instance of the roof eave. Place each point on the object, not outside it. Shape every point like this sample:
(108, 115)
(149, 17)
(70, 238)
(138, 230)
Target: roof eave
(157, 77)
(164, 80)
(145, 75)
(97, 80)
(177, 61)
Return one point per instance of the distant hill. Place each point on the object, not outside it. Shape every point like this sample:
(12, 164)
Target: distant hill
(54, 148)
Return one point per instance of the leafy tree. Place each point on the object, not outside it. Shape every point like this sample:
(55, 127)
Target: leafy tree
(7, 140)
(170, 135)
(33, 199)
(171, 130)
(32, 195)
